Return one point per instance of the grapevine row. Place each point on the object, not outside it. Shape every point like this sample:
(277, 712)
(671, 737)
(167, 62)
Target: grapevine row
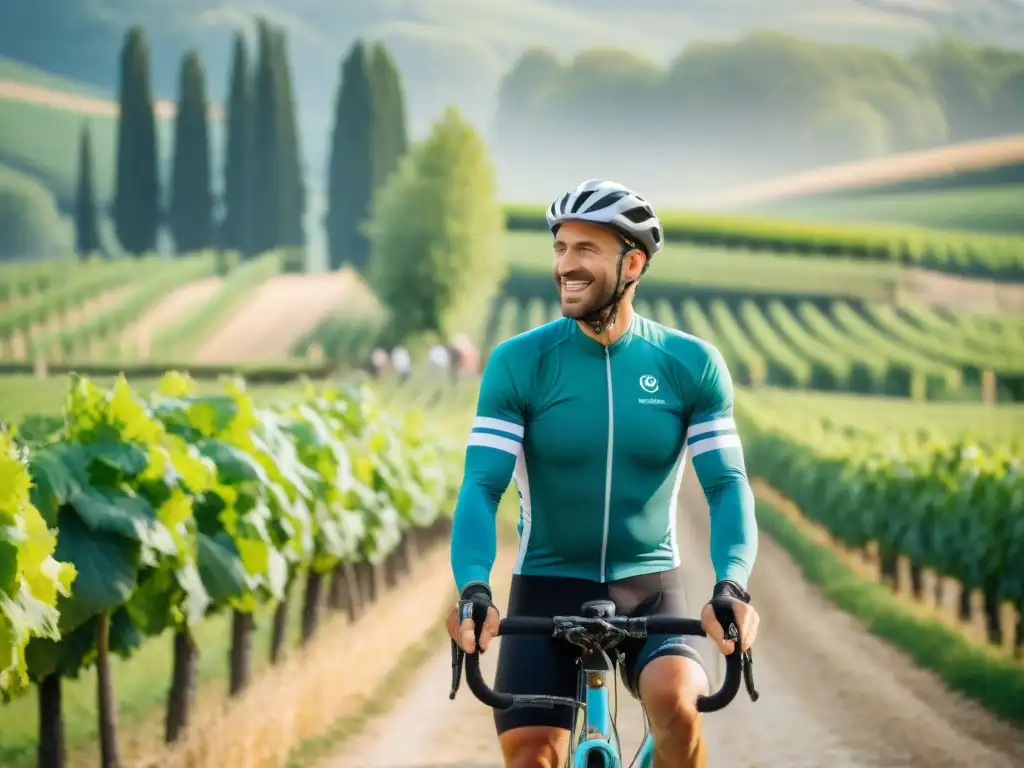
(870, 348)
(953, 505)
(133, 516)
(979, 255)
(78, 342)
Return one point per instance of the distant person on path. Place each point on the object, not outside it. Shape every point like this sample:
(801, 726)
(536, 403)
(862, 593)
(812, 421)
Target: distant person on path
(454, 363)
(437, 361)
(401, 361)
(379, 362)
(464, 357)
(594, 415)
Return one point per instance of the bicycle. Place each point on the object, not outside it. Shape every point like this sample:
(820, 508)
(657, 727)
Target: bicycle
(597, 632)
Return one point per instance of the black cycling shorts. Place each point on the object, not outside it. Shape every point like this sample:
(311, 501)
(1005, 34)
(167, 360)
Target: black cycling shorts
(544, 665)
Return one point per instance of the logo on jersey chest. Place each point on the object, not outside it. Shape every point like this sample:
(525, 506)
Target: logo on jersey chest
(649, 384)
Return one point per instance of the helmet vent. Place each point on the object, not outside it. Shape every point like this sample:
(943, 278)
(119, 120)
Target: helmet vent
(610, 199)
(584, 196)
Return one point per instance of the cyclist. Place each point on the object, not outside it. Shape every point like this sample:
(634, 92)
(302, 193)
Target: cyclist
(593, 414)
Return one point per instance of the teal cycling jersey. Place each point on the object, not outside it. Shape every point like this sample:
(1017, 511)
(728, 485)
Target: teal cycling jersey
(596, 438)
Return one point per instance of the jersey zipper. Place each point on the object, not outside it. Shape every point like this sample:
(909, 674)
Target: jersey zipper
(608, 464)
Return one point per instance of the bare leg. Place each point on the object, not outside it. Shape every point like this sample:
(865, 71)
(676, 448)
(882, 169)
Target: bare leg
(669, 687)
(534, 746)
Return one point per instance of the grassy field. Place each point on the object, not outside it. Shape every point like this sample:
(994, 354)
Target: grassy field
(893, 414)
(10, 69)
(983, 209)
(731, 269)
(42, 139)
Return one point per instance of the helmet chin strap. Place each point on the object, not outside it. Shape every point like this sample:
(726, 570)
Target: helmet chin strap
(603, 317)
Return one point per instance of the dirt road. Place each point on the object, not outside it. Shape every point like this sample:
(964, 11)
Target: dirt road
(877, 171)
(13, 90)
(169, 310)
(269, 324)
(831, 694)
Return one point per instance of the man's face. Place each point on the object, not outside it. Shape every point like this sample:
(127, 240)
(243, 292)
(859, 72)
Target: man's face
(586, 260)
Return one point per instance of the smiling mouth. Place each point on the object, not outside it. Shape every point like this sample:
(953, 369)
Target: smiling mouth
(575, 286)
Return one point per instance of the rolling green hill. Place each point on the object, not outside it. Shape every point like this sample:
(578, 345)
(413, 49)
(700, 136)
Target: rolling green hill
(452, 52)
(41, 139)
(983, 209)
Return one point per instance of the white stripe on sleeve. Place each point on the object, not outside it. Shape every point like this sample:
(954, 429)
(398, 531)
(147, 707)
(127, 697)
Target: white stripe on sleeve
(486, 422)
(714, 444)
(710, 426)
(487, 440)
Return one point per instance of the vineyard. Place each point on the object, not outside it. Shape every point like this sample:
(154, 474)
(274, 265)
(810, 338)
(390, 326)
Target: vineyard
(181, 535)
(977, 255)
(866, 347)
(72, 310)
(149, 315)
(153, 514)
(948, 502)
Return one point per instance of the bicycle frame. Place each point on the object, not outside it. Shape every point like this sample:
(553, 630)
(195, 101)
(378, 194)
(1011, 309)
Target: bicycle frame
(598, 740)
(596, 632)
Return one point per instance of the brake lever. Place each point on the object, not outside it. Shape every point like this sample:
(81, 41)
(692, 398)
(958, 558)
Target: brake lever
(458, 656)
(746, 663)
(748, 676)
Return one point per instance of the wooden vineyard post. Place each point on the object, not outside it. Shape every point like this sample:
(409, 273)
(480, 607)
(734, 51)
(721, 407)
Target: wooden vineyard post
(1009, 620)
(949, 600)
(929, 588)
(979, 622)
(904, 578)
(988, 387)
(873, 560)
(758, 376)
(918, 387)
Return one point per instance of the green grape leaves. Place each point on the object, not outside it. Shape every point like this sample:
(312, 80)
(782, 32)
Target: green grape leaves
(158, 511)
(954, 506)
(32, 579)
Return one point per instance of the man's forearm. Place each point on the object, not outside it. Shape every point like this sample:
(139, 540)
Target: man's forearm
(733, 528)
(474, 533)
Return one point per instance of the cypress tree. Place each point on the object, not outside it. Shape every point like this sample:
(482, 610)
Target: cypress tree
(292, 198)
(137, 193)
(191, 214)
(266, 166)
(389, 132)
(350, 178)
(235, 228)
(87, 234)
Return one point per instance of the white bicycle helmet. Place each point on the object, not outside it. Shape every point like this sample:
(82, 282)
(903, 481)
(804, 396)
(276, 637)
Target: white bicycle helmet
(610, 203)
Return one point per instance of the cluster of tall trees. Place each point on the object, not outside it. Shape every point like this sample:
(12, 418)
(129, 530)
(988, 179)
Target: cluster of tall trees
(262, 148)
(730, 112)
(368, 139)
(264, 196)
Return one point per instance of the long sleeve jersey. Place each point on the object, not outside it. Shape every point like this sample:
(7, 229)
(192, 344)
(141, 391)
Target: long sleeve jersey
(596, 438)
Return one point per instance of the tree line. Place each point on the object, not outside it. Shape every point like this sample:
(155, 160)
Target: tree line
(263, 198)
(730, 112)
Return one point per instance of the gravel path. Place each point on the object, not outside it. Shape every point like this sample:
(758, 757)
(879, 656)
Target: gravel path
(831, 694)
(170, 310)
(271, 322)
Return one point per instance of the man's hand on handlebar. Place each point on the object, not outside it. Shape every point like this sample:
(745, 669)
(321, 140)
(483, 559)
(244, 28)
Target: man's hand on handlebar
(473, 609)
(730, 597)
